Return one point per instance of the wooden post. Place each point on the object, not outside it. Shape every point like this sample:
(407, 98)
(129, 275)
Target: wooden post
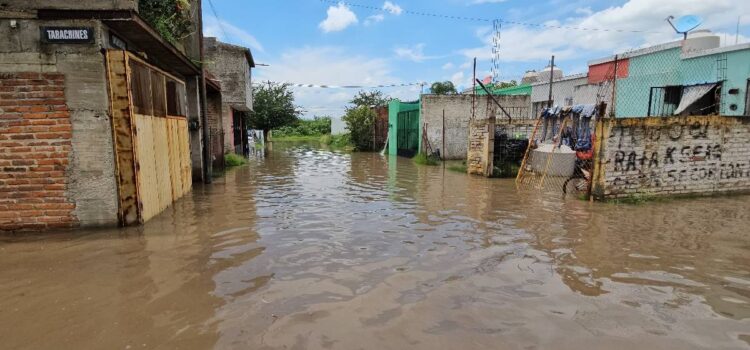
(474, 91)
(442, 151)
(528, 149)
(551, 79)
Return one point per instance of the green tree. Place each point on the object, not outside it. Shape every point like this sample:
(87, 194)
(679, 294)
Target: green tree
(443, 88)
(173, 19)
(373, 98)
(274, 107)
(305, 127)
(507, 84)
(360, 121)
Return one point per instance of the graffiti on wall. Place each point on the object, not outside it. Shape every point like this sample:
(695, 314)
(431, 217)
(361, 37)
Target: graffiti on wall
(684, 153)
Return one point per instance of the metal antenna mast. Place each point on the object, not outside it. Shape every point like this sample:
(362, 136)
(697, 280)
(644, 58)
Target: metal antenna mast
(496, 51)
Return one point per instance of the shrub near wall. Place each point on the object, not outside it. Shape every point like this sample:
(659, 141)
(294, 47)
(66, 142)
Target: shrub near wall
(672, 156)
(35, 145)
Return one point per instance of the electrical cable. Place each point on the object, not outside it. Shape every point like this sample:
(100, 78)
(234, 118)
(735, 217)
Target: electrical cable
(218, 20)
(328, 86)
(479, 19)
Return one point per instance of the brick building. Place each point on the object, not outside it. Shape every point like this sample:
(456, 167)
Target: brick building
(232, 66)
(100, 116)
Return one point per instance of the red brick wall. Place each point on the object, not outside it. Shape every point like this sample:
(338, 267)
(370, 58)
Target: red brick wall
(35, 144)
(217, 133)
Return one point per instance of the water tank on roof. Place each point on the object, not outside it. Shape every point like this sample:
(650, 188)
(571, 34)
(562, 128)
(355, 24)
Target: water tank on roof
(700, 40)
(530, 77)
(556, 74)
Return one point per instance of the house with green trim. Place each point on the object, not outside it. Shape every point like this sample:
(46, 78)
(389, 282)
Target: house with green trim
(523, 89)
(404, 133)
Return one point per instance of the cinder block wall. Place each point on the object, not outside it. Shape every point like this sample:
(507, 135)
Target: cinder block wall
(35, 152)
(457, 109)
(229, 64)
(480, 155)
(672, 156)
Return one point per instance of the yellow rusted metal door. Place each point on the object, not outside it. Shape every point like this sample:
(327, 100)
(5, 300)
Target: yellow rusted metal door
(151, 137)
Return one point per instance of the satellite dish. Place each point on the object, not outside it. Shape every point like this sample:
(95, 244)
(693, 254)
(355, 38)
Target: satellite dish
(685, 24)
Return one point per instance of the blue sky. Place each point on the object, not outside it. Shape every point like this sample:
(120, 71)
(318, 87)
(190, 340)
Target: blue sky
(371, 42)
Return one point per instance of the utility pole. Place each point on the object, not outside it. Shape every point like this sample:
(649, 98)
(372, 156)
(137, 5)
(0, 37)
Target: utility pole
(474, 90)
(207, 152)
(614, 91)
(551, 78)
(442, 151)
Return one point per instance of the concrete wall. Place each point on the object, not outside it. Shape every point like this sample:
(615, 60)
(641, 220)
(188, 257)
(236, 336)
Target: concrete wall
(338, 126)
(672, 156)
(92, 171)
(561, 89)
(457, 109)
(672, 67)
(69, 4)
(196, 134)
(229, 65)
(563, 92)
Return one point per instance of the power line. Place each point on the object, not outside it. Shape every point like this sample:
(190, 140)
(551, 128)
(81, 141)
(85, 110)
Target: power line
(328, 86)
(218, 20)
(479, 19)
(407, 11)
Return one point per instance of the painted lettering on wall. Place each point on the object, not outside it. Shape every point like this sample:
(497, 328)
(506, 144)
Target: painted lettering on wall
(678, 152)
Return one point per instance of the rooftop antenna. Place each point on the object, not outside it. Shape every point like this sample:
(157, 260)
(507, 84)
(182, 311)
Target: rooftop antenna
(685, 24)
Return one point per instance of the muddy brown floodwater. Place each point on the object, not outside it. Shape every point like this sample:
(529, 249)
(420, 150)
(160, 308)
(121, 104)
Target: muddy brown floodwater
(312, 249)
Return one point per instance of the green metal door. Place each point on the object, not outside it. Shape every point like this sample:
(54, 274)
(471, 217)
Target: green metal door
(407, 135)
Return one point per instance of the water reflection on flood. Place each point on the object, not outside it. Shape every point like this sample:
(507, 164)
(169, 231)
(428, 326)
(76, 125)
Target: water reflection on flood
(313, 249)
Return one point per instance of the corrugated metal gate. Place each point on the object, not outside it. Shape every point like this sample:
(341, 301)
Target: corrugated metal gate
(151, 137)
(407, 134)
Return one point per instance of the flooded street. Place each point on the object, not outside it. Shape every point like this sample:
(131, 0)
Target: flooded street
(312, 249)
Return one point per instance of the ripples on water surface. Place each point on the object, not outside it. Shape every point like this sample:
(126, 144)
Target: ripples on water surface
(312, 249)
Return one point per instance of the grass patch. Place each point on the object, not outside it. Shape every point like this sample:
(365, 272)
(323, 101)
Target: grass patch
(459, 168)
(326, 139)
(342, 141)
(423, 159)
(232, 160)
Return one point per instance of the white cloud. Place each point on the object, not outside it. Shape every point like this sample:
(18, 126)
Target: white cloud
(586, 11)
(448, 65)
(338, 18)
(525, 43)
(332, 66)
(374, 19)
(392, 8)
(458, 78)
(234, 35)
(415, 53)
